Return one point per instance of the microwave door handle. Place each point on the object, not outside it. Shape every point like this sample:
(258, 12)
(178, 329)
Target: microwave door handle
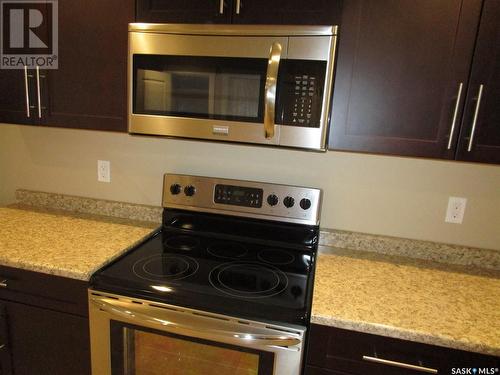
(270, 89)
(134, 313)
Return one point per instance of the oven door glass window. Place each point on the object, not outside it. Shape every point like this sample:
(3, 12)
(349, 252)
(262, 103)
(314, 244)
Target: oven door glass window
(142, 351)
(220, 88)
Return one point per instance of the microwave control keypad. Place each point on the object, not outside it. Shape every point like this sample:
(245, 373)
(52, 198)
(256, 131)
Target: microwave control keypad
(301, 92)
(305, 87)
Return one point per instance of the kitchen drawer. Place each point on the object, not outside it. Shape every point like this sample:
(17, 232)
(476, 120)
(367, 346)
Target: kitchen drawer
(43, 290)
(360, 353)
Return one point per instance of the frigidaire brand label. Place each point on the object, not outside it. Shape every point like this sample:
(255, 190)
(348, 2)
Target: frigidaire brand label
(220, 130)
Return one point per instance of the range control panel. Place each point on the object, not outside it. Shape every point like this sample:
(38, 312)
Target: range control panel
(238, 195)
(243, 198)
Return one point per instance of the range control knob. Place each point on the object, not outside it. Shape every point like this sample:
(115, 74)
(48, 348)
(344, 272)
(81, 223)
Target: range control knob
(189, 190)
(175, 189)
(288, 202)
(305, 203)
(272, 200)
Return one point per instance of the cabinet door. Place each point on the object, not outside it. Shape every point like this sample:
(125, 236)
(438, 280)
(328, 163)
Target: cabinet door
(484, 113)
(88, 90)
(18, 100)
(46, 342)
(339, 351)
(311, 370)
(184, 11)
(287, 12)
(400, 69)
(5, 360)
(16, 97)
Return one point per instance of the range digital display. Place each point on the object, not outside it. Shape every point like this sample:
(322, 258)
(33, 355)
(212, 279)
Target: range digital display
(238, 196)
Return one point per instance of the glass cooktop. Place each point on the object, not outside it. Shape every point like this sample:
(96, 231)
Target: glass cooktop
(204, 271)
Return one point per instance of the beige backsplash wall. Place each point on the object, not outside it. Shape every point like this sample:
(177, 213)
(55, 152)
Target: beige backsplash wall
(393, 196)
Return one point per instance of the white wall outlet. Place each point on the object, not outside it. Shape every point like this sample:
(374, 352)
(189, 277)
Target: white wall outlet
(456, 210)
(103, 171)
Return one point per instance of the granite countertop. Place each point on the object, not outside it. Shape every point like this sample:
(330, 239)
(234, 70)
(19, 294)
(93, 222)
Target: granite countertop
(417, 300)
(421, 291)
(63, 243)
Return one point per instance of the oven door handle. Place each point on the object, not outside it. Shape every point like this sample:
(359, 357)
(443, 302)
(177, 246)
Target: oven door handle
(165, 319)
(270, 89)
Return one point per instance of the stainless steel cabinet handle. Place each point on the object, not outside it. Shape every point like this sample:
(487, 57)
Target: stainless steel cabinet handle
(221, 6)
(381, 361)
(455, 114)
(270, 89)
(3, 283)
(238, 6)
(26, 91)
(167, 323)
(39, 99)
(2, 346)
(474, 122)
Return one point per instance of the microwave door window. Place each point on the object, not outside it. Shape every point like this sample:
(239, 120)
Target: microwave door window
(217, 88)
(238, 95)
(153, 90)
(192, 93)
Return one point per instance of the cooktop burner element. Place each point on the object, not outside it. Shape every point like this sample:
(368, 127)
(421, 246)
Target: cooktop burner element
(165, 267)
(182, 242)
(227, 250)
(248, 279)
(276, 256)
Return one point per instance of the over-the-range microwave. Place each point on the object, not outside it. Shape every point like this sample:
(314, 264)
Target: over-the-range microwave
(267, 85)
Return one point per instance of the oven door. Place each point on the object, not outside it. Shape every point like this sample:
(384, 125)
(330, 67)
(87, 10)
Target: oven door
(133, 336)
(204, 86)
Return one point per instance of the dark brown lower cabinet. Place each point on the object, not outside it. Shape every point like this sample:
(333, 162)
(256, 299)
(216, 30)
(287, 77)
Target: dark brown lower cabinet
(334, 351)
(312, 370)
(43, 324)
(5, 356)
(47, 342)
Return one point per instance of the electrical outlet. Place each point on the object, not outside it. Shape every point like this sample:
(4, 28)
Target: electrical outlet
(103, 171)
(456, 210)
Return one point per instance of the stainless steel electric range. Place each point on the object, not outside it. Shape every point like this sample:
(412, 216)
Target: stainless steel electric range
(223, 287)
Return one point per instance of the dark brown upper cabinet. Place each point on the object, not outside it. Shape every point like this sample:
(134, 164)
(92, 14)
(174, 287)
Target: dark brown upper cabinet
(88, 89)
(402, 79)
(276, 12)
(287, 12)
(16, 98)
(184, 11)
(480, 130)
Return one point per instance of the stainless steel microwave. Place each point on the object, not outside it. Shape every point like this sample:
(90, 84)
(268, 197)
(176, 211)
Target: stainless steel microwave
(255, 84)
